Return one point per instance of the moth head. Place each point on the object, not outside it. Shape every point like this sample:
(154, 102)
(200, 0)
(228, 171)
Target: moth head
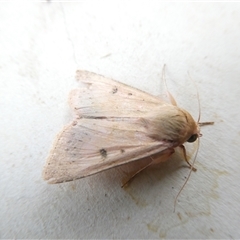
(191, 130)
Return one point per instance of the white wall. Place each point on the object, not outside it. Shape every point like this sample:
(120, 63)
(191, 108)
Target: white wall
(42, 45)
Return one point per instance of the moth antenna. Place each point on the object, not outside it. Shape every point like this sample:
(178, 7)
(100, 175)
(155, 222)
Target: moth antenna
(170, 96)
(199, 105)
(191, 169)
(205, 123)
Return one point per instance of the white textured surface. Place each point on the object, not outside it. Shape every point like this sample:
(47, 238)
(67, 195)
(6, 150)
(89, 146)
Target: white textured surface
(43, 44)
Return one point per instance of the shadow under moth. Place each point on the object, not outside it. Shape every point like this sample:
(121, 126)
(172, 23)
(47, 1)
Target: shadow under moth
(116, 124)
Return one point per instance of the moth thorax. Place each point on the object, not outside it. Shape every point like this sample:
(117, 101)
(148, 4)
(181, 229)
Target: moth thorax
(171, 124)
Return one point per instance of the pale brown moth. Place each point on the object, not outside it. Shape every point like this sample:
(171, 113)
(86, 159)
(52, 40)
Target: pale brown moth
(116, 124)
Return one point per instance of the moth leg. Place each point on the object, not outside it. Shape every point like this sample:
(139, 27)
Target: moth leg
(163, 158)
(185, 158)
(131, 178)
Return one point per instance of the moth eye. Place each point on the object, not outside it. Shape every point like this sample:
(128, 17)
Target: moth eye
(193, 138)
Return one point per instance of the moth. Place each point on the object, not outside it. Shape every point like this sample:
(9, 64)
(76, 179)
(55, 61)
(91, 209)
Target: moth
(116, 124)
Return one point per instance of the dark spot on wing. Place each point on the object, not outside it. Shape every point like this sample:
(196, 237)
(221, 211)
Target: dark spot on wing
(103, 152)
(114, 90)
(122, 150)
(129, 94)
(74, 123)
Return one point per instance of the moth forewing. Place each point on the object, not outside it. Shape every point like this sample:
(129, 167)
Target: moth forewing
(93, 145)
(114, 124)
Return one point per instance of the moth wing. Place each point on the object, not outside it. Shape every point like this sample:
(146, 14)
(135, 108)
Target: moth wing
(104, 97)
(88, 146)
